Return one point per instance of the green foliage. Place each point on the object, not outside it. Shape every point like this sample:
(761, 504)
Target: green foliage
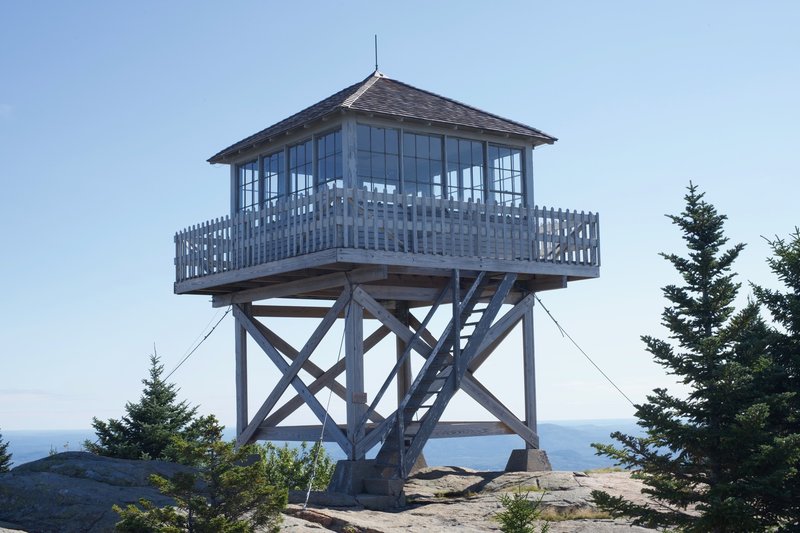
(227, 491)
(784, 348)
(146, 431)
(292, 467)
(519, 514)
(707, 459)
(5, 457)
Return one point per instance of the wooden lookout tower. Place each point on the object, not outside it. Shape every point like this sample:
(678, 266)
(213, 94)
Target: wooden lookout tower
(397, 206)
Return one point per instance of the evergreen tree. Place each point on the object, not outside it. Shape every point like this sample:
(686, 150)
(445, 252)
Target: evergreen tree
(705, 459)
(146, 431)
(784, 347)
(227, 491)
(5, 457)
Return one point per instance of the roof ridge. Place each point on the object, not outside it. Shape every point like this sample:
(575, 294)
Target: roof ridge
(473, 108)
(369, 82)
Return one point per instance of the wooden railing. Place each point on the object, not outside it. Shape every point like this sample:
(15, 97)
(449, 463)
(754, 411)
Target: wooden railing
(359, 219)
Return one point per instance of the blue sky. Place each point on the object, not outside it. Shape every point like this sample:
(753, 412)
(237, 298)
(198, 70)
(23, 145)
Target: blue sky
(108, 111)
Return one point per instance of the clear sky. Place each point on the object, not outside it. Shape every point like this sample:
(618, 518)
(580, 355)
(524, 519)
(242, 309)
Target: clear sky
(108, 111)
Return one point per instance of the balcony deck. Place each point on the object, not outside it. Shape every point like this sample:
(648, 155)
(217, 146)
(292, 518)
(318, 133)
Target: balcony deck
(336, 230)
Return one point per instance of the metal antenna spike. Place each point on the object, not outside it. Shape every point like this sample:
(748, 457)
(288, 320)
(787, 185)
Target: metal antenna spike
(376, 52)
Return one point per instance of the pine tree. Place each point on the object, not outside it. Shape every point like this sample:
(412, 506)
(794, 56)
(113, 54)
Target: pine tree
(705, 458)
(146, 431)
(228, 490)
(784, 347)
(5, 457)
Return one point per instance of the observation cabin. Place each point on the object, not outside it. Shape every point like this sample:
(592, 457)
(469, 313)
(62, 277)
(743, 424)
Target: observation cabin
(385, 205)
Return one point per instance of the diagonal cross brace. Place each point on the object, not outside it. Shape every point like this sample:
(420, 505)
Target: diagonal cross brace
(297, 364)
(333, 431)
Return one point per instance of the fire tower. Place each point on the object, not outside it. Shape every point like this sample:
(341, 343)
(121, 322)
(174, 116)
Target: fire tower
(394, 205)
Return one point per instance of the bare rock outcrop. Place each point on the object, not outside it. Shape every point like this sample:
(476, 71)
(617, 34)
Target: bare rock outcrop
(74, 492)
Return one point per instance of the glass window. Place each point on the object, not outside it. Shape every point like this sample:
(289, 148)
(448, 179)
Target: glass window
(274, 173)
(378, 158)
(465, 169)
(248, 198)
(505, 171)
(301, 179)
(422, 165)
(329, 160)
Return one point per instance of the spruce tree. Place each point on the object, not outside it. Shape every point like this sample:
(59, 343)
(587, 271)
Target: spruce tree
(5, 457)
(146, 431)
(784, 347)
(704, 455)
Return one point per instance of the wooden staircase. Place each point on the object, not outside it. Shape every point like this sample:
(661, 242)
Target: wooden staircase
(440, 377)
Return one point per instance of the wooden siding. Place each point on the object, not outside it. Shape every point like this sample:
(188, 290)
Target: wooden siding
(391, 224)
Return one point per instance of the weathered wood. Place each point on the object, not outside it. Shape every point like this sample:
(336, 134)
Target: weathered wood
(241, 377)
(291, 371)
(488, 401)
(529, 370)
(301, 286)
(388, 320)
(443, 430)
(292, 311)
(509, 238)
(327, 379)
(404, 371)
(333, 431)
(354, 376)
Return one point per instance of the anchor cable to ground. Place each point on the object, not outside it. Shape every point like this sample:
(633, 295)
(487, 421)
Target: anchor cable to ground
(567, 335)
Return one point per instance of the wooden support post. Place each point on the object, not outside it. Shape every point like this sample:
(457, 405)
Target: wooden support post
(356, 398)
(241, 377)
(404, 372)
(529, 371)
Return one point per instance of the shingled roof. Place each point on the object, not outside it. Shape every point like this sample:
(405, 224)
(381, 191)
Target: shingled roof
(382, 96)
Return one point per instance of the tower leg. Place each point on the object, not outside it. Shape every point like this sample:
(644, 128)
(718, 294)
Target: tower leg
(355, 397)
(529, 371)
(528, 459)
(241, 377)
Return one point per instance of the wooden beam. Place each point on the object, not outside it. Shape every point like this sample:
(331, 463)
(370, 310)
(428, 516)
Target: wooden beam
(333, 431)
(327, 379)
(444, 430)
(294, 311)
(291, 371)
(481, 394)
(241, 377)
(501, 328)
(356, 398)
(393, 292)
(529, 370)
(286, 349)
(301, 286)
(389, 320)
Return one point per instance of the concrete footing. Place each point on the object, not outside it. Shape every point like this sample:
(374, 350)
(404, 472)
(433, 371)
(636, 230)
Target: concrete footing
(526, 460)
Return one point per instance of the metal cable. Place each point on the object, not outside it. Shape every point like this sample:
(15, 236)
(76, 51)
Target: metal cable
(567, 335)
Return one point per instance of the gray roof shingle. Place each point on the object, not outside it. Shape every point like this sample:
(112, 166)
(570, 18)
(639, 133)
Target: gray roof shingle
(380, 95)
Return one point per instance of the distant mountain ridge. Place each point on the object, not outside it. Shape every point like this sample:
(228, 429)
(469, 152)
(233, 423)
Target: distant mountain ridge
(567, 444)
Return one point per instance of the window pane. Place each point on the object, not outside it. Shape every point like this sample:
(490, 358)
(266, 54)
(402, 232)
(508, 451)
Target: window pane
(378, 163)
(505, 169)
